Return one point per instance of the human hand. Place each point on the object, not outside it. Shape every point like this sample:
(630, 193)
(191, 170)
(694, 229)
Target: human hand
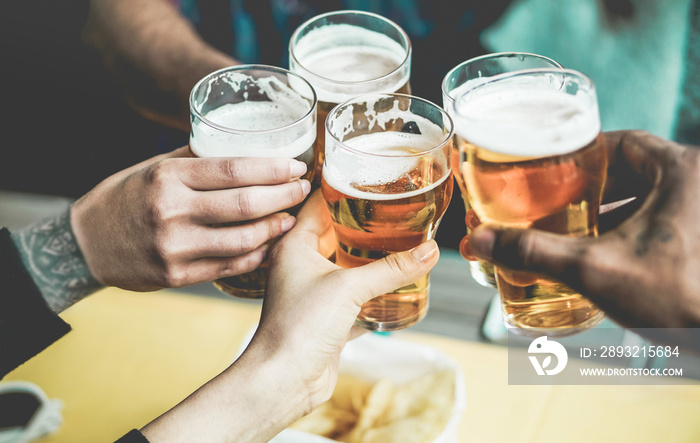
(311, 303)
(159, 223)
(643, 271)
(291, 363)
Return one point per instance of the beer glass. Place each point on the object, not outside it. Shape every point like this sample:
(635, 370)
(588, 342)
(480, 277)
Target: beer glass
(344, 54)
(465, 76)
(387, 181)
(534, 157)
(253, 111)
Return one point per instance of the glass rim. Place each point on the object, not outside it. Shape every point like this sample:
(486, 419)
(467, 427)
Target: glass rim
(443, 85)
(251, 67)
(566, 73)
(366, 97)
(393, 24)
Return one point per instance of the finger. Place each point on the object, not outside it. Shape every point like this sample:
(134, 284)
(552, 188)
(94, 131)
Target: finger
(211, 268)
(223, 173)
(392, 272)
(635, 162)
(530, 250)
(234, 241)
(313, 216)
(248, 203)
(313, 225)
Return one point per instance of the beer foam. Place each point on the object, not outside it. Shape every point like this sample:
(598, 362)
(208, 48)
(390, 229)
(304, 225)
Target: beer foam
(526, 121)
(326, 52)
(349, 170)
(343, 123)
(245, 123)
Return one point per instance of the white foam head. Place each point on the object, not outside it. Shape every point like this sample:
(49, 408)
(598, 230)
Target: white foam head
(270, 128)
(527, 117)
(380, 158)
(342, 61)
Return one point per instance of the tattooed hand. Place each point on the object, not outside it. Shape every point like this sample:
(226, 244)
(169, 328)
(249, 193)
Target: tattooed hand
(643, 271)
(159, 223)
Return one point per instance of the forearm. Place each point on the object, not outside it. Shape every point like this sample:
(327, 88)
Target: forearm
(251, 401)
(53, 259)
(154, 53)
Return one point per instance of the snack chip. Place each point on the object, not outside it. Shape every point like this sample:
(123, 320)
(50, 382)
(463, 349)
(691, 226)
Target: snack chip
(386, 410)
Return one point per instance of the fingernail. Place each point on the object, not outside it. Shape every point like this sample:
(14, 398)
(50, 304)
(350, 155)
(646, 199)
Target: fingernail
(297, 168)
(305, 186)
(482, 241)
(288, 223)
(424, 251)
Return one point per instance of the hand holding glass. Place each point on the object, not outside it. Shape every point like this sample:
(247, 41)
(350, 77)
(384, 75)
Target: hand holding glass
(461, 78)
(387, 180)
(253, 111)
(534, 158)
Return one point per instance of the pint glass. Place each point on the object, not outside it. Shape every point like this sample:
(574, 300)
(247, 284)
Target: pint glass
(344, 54)
(534, 158)
(387, 181)
(253, 111)
(461, 78)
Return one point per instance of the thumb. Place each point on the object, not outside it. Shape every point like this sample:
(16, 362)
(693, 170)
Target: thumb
(530, 250)
(393, 271)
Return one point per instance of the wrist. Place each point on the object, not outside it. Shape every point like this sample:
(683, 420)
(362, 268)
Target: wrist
(51, 254)
(279, 393)
(251, 401)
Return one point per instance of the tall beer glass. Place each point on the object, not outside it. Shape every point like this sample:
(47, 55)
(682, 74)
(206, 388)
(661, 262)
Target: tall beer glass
(534, 158)
(387, 180)
(253, 111)
(344, 54)
(461, 78)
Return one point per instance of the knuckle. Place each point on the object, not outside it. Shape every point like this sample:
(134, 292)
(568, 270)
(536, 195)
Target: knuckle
(280, 171)
(233, 168)
(244, 205)
(172, 276)
(227, 269)
(398, 265)
(247, 239)
(160, 173)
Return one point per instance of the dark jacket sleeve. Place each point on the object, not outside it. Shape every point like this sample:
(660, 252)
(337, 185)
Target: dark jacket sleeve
(27, 324)
(134, 436)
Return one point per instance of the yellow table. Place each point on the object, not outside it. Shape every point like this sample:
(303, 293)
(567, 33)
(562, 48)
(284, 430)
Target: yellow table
(132, 356)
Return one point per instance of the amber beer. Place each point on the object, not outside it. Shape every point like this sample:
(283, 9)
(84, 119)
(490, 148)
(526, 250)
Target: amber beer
(253, 111)
(348, 53)
(457, 81)
(387, 183)
(534, 158)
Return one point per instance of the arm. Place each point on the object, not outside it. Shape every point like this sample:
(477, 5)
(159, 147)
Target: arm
(174, 220)
(643, 272)
(53, 259)
(144, 228)
(291, 364)
(27, 324)
(154, 54)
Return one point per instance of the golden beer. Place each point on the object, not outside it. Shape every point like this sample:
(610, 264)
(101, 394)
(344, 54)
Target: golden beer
(534, 158)
(457, 81)
(387, 183)
(253, 111)
(348, 53)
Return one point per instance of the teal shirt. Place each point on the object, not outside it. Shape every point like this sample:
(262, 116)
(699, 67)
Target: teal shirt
(637, 63)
